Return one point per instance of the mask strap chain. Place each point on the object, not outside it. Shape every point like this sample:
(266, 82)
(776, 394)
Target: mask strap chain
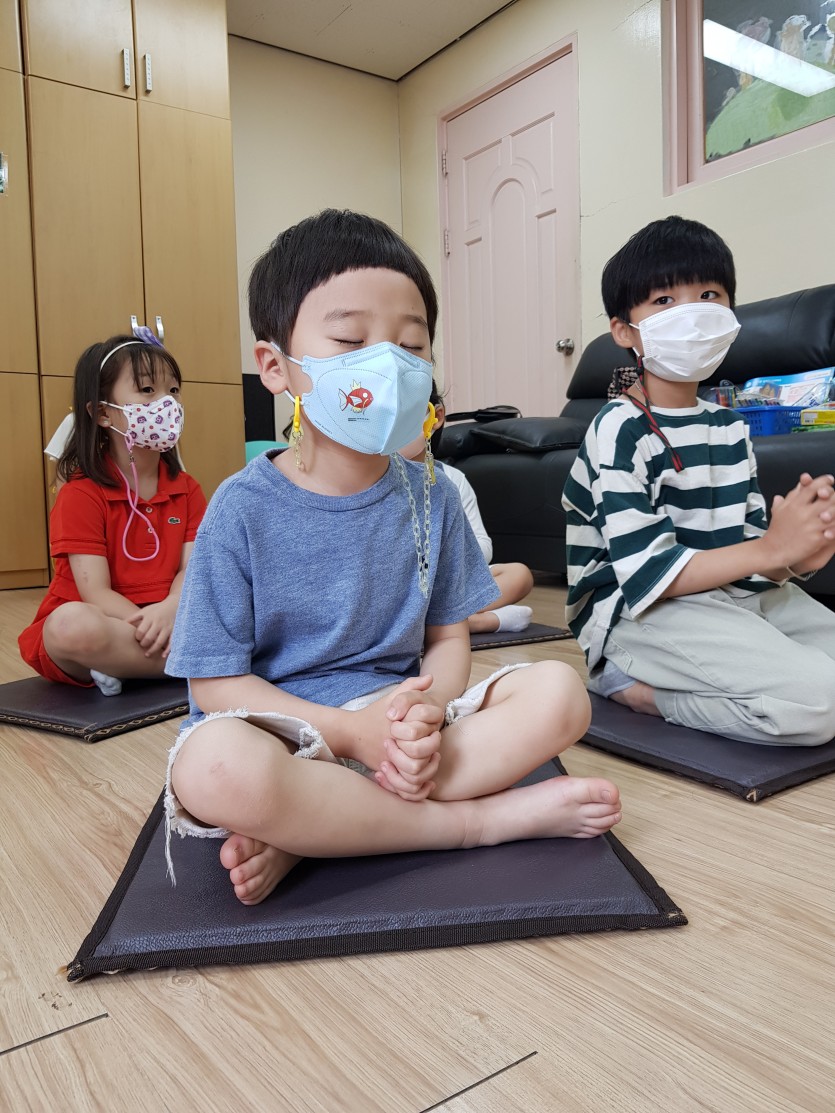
(647, 412)
(297, 433)
(133, 503)
(428, 457)
(422, 545)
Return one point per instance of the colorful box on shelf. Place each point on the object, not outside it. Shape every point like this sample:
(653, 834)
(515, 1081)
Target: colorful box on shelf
(823, 415)
(806, 389)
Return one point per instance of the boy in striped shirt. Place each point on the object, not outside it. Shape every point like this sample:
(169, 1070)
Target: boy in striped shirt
(679, 587)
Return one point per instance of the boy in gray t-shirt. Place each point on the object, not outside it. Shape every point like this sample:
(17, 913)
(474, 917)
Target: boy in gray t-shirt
(327, 600)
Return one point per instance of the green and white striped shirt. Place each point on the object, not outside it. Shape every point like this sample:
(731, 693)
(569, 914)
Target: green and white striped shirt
(633, 522)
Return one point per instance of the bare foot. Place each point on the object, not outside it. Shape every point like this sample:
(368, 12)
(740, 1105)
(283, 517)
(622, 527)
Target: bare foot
(254, 867)
(562, 807)
(638, 697)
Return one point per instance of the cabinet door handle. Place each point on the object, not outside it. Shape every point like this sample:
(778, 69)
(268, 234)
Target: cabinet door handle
(149, 81)
(160, 329)
(4, 173)
(134, 323)
(126, 66)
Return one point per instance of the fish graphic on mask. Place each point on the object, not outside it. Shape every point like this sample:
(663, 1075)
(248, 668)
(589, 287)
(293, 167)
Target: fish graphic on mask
(358, 398)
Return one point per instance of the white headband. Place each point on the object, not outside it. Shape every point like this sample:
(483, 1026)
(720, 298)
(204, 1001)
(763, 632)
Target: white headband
(116, 349)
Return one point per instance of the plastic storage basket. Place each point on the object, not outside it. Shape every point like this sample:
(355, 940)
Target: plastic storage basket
(765, 421)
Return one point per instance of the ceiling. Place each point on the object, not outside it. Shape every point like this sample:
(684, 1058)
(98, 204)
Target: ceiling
(387, 38)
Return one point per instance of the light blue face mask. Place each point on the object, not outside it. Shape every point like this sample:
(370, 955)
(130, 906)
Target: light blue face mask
(373, 400)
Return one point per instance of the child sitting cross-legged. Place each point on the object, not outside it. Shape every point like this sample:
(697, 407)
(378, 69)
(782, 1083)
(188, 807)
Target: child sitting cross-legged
(123, 525)
(679, 588)
(327, 601)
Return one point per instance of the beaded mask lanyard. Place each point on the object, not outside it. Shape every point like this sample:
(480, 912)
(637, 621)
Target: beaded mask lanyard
(422, 544)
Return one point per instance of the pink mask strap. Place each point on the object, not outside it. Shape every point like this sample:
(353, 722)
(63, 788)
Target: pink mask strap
(133, 503)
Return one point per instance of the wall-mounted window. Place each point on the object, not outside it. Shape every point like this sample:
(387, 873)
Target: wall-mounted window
(748, 81)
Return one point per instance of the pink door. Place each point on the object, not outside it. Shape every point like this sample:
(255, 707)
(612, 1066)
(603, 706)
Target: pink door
(511, 244)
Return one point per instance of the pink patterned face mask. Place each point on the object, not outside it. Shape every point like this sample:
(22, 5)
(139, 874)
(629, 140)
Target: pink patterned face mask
(156, 425)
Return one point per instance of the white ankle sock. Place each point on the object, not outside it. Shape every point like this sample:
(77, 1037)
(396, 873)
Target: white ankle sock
(107, 685)
(513, 618)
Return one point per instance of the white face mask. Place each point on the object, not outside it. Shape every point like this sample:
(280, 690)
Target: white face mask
(688, 342)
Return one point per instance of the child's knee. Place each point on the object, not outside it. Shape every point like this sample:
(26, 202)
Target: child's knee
(561, 695)
(523, 578)
(74, 629)
(204, 779)
(228, 770)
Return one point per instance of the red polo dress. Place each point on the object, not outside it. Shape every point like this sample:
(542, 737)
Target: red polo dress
(90, 519)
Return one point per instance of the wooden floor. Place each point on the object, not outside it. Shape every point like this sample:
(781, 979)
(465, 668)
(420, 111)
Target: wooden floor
(732, 1012)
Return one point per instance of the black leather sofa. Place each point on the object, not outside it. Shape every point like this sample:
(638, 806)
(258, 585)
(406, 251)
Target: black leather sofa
(518, 467)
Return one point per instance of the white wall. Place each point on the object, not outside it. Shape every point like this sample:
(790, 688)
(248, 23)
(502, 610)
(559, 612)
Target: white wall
(774, 217)
(306, 135)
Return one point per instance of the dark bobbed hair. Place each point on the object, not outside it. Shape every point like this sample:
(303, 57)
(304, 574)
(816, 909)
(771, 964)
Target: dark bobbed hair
(87, 446)
(665, 253)
(317, 249)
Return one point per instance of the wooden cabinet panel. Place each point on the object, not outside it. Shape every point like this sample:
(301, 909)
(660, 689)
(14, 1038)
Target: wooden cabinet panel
(9, 36)
(22, 508)
(188, 231)
(212, 444)
(18, 346)
(87, 229)
(187, 44)
(80, 43)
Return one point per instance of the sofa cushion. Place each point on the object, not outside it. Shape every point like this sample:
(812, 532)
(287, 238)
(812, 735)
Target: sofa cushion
(458, 440)
(533, 434)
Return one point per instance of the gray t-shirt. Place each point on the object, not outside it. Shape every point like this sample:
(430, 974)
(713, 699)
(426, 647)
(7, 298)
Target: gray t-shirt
(319, 594)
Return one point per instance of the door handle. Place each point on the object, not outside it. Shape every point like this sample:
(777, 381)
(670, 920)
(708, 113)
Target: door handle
(4, 172)
(160, 329)
(565, 346)
(126, 67)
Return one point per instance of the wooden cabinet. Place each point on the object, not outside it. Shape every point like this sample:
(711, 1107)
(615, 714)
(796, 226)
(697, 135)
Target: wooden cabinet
(85, 208)
(177, 56)
(9, 36)
(187, 47)
(188, 232)
(132, 213)
(18, 345)
(81, 43)
(212, 444)
(23, 554)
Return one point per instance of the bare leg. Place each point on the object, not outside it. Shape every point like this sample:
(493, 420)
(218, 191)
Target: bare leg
(79, 637)
(321, 809)
(639, 697)
(528, 717)
(514, 581)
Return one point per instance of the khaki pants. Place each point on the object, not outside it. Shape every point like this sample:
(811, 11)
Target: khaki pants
(758, 668)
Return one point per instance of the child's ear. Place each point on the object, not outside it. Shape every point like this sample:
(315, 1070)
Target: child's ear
(101, 416)
(440, 416)
(624, 335)
(272, 367)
